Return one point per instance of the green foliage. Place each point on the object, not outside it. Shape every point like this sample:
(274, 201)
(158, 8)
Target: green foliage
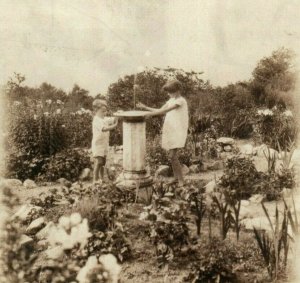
(234, 106)
(17, 259)
(276, 128)
(274, 79)
(239, 175)
(68, 164)
(274, 248)
(156, 155)
(114, 241)
(39, 131)
(100, 216)
(215, 264)
(241, 179)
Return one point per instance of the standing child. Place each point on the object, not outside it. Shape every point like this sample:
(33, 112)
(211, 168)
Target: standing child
(100, 142)
(175, 126)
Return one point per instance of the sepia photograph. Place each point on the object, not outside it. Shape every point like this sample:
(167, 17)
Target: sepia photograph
(149, 141)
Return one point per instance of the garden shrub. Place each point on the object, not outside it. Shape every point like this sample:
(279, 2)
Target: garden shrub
(67, 164)
(242, 179)
(215, 264)
(275, 127)
(100, 216)
(156, 155)
(16, 260)
(37, 132)
(239, 175)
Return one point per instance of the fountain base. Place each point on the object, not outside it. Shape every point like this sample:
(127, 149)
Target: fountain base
(132, 180)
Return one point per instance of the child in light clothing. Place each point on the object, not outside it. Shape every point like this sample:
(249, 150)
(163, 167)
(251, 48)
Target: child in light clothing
(175, 127)
(100, 142)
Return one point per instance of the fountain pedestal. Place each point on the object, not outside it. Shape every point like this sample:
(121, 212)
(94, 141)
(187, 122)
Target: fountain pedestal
(134, 150)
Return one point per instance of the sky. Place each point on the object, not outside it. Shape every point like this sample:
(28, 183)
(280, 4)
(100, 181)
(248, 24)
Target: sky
(95, 42)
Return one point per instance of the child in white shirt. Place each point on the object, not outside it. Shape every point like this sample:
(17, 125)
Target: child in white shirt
(175, 127)
(100, 142)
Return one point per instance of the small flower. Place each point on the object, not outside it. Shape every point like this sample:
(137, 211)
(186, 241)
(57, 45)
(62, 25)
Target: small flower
(64, 222)
(58, 111)
(265, 112)
(288, 113)
(46, 113)
(75, 219)
(79, 112)
(17, 103)
(34, 116)
(49, 101)
(58, 101)
(109, 262)
(63, 126)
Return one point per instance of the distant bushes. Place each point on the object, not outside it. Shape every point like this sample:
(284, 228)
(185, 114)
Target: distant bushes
(36, 135)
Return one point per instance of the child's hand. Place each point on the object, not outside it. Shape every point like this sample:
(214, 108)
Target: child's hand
(147, 116)
(141, 105)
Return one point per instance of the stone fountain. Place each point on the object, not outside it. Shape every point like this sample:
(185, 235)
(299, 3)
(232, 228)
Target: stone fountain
(134, 149)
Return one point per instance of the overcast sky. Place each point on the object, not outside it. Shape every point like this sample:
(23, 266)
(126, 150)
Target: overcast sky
(93, 43)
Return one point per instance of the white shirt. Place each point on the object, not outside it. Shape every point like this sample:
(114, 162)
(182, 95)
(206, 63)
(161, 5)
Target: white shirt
(100, 141)
(176, 124)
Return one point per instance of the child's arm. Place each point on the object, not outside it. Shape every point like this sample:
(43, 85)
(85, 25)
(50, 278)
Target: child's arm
(111, 127)
(162, 110)
(143, 106)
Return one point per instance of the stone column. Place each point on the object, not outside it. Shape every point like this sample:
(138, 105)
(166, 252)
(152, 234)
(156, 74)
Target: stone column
(134, 150)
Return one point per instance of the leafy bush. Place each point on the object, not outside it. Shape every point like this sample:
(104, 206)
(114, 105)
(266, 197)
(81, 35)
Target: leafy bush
(16, 259)
(114, 241)
(156, 155)
(215, 264)
(68, 164)
(276, 128)
(242, 179)
(100, 216)
(40, 130)
(239, 175)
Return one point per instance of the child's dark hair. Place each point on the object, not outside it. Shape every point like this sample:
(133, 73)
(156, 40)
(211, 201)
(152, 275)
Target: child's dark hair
(172, 86)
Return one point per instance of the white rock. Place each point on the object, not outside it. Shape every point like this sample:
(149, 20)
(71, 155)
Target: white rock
(247, 149)
(225, 141)
(29, 184)
(246, 212)
(227, 148)
(260, 223)
(64, 182)
(185, 169)
(36, 225)
(264, 150)
(163, 170)
(54, 253)
(43, 233)
(11, 182)
(261, 164)
(245, 202)
(210, 187)
(85, 174)
(194, 168)
(216, 165)
(25, 210)
(25, 240)
(258, 198)
(286, 193)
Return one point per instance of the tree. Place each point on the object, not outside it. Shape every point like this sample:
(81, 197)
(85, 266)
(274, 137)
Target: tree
(79, 98)
(274, 79)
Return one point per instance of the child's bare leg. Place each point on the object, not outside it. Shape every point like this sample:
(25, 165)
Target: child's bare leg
(176, 166)
(96, 170)
(102, 161)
